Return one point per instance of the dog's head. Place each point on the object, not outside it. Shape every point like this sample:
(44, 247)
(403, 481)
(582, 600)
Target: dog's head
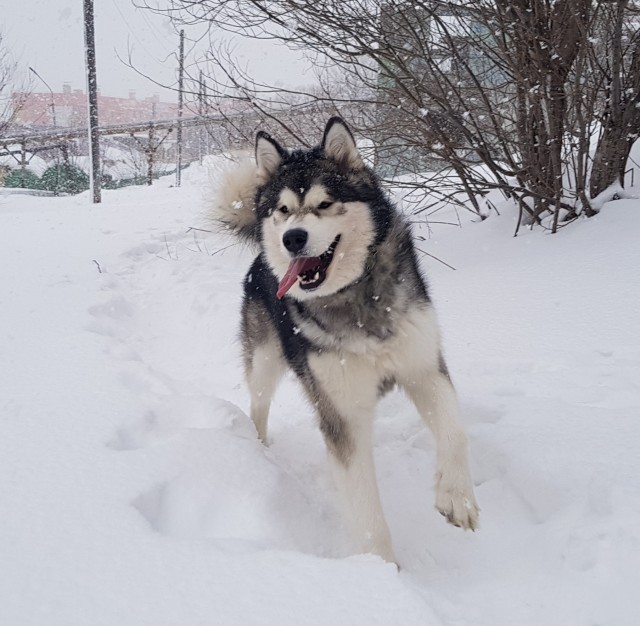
(315, 207)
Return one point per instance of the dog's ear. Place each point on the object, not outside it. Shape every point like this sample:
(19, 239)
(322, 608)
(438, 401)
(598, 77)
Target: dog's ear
(269, 155)
(338, 144)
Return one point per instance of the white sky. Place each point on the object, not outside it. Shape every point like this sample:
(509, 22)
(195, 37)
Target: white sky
(48, 35)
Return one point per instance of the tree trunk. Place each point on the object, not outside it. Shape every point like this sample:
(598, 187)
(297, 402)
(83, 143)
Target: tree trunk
(622, 122)
(610, 159)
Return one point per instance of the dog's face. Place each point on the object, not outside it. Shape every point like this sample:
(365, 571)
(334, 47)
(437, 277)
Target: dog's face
(314, 209)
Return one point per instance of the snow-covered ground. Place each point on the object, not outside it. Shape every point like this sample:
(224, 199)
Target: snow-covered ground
(133, 490)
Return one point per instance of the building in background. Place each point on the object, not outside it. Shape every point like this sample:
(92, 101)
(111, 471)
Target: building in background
(68, 109)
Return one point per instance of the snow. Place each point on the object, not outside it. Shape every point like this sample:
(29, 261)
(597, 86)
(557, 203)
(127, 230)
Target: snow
(35, 164)
(134, 490)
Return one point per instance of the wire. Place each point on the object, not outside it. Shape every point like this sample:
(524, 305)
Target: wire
(132, 33)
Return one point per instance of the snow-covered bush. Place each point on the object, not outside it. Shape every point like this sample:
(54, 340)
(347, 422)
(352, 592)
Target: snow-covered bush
(65, 179)
(23, 179)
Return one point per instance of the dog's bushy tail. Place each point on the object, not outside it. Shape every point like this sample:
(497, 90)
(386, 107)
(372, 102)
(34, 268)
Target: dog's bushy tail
(233, 208)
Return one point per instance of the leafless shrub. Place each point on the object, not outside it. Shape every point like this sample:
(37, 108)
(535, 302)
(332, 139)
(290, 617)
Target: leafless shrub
(482, 95)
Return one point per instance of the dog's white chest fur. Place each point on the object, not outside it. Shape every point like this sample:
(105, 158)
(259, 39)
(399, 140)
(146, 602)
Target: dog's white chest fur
(415, 339)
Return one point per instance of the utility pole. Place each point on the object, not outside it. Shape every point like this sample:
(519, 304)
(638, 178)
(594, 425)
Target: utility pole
(180, 104)
(201, 115)
(92, 91)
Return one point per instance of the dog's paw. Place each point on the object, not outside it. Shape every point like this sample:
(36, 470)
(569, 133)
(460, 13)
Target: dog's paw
(457, 503)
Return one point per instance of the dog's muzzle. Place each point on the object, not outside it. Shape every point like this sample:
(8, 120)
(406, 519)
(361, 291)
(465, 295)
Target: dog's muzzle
(310, 270)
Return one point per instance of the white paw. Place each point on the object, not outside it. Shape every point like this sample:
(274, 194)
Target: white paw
(455, 501)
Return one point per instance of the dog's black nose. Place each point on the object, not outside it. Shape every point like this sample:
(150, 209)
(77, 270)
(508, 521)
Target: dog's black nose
(295, 239)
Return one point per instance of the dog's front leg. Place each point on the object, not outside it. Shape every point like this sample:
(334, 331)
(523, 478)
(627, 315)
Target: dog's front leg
(435, 398)
(264, 367)
(354, 473)
(345, 392)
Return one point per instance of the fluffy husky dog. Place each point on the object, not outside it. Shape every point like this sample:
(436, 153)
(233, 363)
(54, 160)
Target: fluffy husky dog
(336, 295)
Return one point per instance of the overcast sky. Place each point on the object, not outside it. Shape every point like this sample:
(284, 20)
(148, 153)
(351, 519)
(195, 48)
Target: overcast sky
(48, 35)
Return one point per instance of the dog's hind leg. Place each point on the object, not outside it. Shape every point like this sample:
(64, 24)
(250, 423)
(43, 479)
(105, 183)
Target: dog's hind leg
(345, 392)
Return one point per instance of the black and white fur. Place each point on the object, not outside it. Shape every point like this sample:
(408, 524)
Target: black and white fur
(367, 327)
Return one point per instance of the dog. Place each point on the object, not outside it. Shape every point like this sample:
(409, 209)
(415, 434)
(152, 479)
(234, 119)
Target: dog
(336, 295)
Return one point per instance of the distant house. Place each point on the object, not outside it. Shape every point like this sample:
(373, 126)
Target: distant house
(430, 51)
(68, 109)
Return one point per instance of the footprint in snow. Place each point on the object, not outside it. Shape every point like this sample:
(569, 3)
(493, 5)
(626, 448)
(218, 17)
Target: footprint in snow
(173, 416)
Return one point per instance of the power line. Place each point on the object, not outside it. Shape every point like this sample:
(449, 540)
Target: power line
(131, 33)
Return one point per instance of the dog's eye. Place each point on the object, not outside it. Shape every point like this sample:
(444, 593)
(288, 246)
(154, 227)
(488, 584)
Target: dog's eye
(284, 210)
(325, 205)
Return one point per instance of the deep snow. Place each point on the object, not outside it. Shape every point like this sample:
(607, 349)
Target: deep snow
(133, 490)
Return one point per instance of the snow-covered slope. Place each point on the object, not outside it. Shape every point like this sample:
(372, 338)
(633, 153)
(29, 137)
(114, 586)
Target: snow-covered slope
(133, 490)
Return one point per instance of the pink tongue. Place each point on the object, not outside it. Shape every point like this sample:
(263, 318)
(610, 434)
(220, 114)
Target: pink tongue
(296, 267)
